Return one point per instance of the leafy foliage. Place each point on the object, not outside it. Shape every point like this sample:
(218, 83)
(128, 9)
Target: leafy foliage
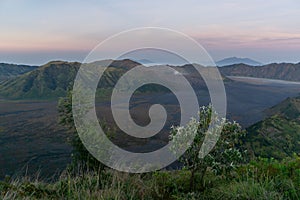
(223, 157)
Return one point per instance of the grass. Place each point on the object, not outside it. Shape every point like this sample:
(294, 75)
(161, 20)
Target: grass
(260, 179)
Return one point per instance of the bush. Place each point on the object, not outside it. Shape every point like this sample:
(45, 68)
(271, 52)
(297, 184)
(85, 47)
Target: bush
(224, 156)
(81, 158)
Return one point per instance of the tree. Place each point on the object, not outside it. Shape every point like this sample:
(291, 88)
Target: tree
(223, 157)
(80, 156)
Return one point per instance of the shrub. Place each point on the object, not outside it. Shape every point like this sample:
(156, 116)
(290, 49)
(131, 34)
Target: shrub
(223, 157)
(82, 159)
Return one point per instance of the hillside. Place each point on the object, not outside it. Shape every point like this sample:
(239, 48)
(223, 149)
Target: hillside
(53, 79)
(289, 108)
(277, 136)
(235, 60)
(10, 70)
(282, 71)
(47, 81)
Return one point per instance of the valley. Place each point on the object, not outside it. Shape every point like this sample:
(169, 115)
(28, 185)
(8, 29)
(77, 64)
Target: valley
(32, 142)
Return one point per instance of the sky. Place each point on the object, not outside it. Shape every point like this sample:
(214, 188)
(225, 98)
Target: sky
(36, 31)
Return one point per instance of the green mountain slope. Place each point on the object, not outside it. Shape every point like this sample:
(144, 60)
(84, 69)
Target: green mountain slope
(289, 108)
(277, 136)
(10, 70)
(47, 81)
(52, 80)
(282, 71)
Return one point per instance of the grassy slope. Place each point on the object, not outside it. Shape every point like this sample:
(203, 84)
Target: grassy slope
(52, 80)
(277, 136)
(48, 81)
(10, 70)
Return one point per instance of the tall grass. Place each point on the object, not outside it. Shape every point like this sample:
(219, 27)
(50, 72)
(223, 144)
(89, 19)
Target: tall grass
(261, 179)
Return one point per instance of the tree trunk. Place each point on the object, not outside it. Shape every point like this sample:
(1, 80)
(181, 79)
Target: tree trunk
(192, 179)
(203, 172)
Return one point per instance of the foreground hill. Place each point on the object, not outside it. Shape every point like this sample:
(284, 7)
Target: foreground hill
(282, 71)
(277, 136)
(10, 70)
(235, 60)
(53, 79)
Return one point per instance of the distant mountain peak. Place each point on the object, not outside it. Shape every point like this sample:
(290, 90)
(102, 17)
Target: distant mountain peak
(58, 63)
(236, 60)
(145, 61)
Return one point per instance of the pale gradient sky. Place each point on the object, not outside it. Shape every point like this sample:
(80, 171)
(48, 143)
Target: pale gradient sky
(36, 31)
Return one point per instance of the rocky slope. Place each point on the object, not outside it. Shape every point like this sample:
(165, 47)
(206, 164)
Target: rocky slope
(282, 71)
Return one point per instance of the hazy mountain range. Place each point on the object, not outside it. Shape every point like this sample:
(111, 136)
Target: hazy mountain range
(54, 78)
(235, 60)
(282, 71)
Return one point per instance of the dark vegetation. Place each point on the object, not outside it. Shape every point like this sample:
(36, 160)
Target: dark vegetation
(277, 136)
(260, 179)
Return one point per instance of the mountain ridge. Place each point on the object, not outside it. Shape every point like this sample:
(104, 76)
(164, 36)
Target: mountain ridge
(8, 71)
(281, 71)
(236, 60)
(53, 79)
